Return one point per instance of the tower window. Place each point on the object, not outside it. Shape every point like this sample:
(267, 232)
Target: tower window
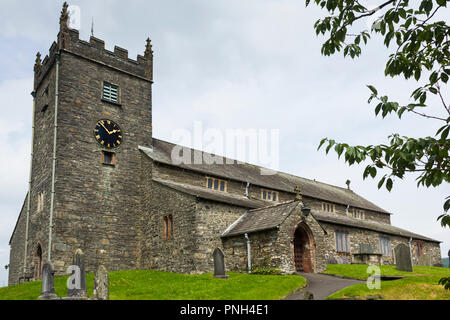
(108, 158)
(110, 92)
(40, 202)
(168, 227)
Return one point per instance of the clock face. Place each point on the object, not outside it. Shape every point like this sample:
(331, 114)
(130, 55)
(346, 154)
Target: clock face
(108, 134)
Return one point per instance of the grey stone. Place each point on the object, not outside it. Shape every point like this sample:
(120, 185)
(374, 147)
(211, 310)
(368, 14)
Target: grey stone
(101, 284)
(48, 282)
(403, 258)
(366, 248)
(424, 261)
(331, 259)
(78, 260)
(345, 260)
(219, 264)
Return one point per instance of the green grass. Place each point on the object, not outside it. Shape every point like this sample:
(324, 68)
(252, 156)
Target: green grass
(421, 284)
(157, 285)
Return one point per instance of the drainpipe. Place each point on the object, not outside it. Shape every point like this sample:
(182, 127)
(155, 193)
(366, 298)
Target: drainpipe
(249, 254)
(55, 133)
(29, 188)
(410, 248)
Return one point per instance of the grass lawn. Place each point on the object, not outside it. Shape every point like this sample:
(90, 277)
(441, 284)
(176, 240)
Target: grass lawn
(421, 284)
(157, 285)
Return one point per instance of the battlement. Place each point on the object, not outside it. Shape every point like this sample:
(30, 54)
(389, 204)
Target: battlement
(69, 41)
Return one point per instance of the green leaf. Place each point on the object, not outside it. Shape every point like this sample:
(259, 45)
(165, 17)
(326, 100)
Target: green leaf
(372, 88)
(389, 184)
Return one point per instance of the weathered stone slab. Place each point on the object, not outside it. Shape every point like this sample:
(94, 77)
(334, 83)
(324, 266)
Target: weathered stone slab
(77, 280)
(48, 282)
(424, 261)
(101, 284)
(219, 264)
(366, 248)
(403, 258)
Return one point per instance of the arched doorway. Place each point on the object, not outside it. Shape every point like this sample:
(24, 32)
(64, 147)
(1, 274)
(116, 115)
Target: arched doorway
(303, 249)
(37, 262)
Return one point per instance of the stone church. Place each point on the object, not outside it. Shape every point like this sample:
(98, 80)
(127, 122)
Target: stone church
(101, 183)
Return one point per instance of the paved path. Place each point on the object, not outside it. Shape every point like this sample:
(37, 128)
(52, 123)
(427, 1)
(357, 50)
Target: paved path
(322, 286)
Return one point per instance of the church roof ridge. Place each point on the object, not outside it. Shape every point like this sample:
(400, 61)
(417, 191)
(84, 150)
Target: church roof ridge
(280, 181)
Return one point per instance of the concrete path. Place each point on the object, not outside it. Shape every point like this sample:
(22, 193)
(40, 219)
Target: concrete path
(322, 286)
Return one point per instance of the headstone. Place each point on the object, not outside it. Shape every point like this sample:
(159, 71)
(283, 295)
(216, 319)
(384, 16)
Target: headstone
(365, 248)
(403, 258)
(219, 264)
(77, 285)
(48, 282)
(424, 261)
(345, 260)
(331, 259)
(101, 284)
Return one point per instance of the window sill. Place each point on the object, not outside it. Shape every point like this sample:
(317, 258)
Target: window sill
(108, 164)
(112, 102)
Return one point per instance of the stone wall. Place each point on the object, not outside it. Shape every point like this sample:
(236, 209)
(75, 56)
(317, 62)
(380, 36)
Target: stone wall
(275, 248)
(17, 249)
(174, 254)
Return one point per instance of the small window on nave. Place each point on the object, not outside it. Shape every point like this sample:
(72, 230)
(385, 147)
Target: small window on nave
(216, 184)
(269, 195)
(328, 207)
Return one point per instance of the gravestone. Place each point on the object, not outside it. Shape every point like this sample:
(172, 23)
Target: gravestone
(403, 258)
(424, 261)
(219, 264)
(101, 284)
(77, 285)
(345, 260)
(48, 282)
(331, 259)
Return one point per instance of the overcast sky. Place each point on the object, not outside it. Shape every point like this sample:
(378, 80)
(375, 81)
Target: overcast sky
(231, 65)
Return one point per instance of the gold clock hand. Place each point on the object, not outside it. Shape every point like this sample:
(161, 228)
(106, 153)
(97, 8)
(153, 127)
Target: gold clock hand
(105, 128)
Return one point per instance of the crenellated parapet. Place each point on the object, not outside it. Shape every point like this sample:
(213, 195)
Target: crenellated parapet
(68, 41)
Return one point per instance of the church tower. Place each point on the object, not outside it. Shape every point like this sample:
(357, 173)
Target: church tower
(92, 109)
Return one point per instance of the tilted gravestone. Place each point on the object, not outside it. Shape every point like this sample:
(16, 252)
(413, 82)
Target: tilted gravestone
(77, 279)
(48, 282)
(219, 264)
(101, 284)
(403, 258)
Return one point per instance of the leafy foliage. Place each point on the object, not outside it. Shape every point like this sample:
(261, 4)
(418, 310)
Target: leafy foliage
(421, 50)
(421, 45)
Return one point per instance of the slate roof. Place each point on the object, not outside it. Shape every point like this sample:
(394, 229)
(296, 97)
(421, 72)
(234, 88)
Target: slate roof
(272, 217)
(261, 219)
(208, 194)
(162, 150)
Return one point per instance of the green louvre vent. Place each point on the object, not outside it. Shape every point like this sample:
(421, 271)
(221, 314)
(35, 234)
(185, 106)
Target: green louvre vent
(110, 92)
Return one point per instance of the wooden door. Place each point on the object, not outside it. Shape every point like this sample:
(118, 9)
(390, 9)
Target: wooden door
(302, 255)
